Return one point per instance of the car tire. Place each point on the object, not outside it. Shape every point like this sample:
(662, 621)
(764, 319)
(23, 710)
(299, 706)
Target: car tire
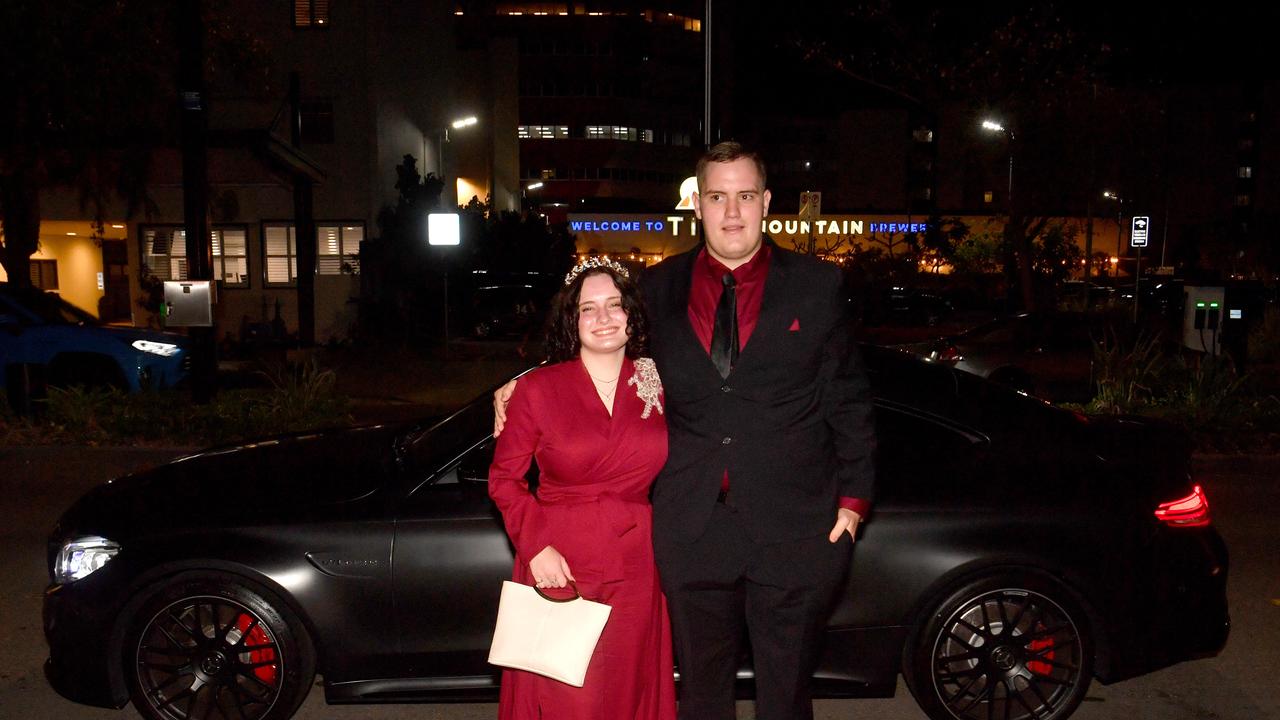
(213, 645)
(1012, 645)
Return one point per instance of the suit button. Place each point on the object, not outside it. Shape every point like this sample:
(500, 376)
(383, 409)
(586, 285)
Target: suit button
(726, 441)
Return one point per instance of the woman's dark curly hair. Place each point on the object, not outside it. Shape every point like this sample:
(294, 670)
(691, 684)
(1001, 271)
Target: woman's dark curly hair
(562, 325)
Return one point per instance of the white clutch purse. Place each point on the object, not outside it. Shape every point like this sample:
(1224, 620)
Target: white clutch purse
(550, 637)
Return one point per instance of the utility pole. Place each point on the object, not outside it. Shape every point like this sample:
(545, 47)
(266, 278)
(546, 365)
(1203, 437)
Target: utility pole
(304, 224)
(195, 187)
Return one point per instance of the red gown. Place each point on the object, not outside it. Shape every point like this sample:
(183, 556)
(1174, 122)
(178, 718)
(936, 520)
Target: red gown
(592, 506)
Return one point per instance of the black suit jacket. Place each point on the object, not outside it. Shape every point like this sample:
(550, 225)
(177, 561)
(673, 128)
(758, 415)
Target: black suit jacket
(792, 422)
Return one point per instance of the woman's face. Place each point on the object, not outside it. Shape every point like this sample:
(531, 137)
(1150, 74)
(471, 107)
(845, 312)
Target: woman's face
(602, 323)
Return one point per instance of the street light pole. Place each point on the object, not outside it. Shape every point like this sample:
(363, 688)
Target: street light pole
(1119, 226)
(1013, 231)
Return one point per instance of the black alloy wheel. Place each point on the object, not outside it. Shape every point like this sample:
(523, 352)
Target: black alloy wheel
(1005, 648)
(214, 647)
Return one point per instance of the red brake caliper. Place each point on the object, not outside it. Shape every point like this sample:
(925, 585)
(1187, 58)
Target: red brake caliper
(265, 673)
(1041, 667)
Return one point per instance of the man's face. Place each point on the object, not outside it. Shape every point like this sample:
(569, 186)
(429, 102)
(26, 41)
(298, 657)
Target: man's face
(731, 202)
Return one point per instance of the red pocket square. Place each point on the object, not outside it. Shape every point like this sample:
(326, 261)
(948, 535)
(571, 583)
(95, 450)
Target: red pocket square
(795, 325)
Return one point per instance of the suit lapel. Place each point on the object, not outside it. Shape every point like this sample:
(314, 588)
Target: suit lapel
(683, 337)
(773, 308)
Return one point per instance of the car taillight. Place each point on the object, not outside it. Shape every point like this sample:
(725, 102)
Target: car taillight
(1189, 511)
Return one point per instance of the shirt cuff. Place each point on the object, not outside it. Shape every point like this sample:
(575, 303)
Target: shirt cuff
(858, 505)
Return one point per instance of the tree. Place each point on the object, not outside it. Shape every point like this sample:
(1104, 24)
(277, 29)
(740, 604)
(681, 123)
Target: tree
(403, 276)
(1030, 65)
(88, 90)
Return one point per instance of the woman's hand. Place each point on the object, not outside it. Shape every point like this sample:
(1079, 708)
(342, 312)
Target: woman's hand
(550, 569)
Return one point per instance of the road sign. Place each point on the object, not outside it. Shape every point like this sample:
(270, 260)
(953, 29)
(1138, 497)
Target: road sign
(1138, 232)
(810, 206)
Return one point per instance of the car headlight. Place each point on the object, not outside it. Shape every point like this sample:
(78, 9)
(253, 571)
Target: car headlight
(156, 348)
(81, 557)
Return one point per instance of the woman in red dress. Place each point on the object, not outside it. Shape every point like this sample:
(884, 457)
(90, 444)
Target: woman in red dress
(594, 423)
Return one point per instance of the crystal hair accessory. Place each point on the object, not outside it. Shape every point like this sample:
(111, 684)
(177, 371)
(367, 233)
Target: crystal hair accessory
(595, 262)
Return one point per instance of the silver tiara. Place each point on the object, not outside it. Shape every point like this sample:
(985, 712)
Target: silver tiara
(595, 262)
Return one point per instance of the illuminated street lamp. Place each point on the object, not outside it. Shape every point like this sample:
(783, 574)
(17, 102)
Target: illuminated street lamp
(1108, 195)
(442, 139)
(995, 127)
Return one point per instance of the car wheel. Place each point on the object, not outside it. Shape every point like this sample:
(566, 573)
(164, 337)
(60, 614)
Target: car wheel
(211, 646)
(1008, 646)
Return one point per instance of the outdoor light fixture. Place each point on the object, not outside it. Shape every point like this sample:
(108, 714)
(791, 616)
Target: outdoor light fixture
(443, 229)
(464, 122)
(534, 186)
(992, 125)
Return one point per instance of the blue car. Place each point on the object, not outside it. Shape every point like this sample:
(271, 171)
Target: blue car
(70, 347)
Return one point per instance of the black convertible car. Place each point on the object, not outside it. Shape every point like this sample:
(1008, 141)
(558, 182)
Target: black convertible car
(1016, 552)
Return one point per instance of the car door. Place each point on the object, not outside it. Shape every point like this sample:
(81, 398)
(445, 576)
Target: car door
(451, 555)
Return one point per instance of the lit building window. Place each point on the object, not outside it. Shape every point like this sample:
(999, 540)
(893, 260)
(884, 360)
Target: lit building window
(44, 274)
(164, 252)
(988, 197)
(542, 132)
(1243, 200)
(615, 132)
(231, 257)
(279, 249)
(1245, 172)
(310, 13)
(338, 249)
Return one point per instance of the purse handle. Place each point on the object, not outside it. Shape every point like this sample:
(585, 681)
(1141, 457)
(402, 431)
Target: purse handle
(544, 596)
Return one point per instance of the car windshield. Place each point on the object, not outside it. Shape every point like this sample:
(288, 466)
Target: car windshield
(48, 307)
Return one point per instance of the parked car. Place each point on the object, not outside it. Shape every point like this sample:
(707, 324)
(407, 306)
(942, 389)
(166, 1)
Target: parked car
(910, 307)
(1016, 551)
(68, 346)
(1046, 354)
(506, 310)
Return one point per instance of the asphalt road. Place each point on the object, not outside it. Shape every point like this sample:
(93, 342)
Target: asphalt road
(1241, 684)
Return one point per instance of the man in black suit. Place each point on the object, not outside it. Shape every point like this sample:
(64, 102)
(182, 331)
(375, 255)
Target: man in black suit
(770, 439)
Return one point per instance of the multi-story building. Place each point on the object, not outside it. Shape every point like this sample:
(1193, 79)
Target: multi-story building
(378, 81)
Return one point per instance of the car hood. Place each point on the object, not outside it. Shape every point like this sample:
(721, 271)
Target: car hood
(289, 478)
(129, 335)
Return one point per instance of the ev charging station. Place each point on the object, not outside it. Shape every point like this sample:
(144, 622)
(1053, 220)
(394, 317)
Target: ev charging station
(1203, 315)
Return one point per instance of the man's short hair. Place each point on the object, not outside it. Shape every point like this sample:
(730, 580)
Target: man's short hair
(728, 151)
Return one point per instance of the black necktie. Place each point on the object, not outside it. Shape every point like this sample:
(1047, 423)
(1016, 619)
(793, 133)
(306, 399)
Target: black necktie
(724, 336)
